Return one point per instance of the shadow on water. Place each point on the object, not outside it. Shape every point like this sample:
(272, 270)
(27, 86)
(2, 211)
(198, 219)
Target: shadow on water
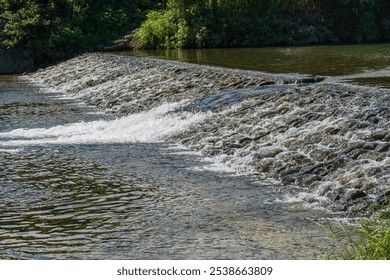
(336, 60)
(132, 200)
(315, 60)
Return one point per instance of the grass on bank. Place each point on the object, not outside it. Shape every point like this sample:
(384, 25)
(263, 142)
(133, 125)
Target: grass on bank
(369, 239)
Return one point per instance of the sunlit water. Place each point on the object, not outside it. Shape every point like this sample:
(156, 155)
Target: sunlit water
(75, 184)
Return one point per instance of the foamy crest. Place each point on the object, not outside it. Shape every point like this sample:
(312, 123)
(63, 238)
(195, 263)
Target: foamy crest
(10, 151)
(148, 126)
(234, 165)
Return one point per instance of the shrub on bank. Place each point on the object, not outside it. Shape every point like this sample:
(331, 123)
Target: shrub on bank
(369, 239)
(161, 30)
(234, 23)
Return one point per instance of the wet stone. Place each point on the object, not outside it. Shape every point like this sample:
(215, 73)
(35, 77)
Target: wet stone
(356, 195)
(309, 179)
(331, 130)
(370, 146)
(383, 148)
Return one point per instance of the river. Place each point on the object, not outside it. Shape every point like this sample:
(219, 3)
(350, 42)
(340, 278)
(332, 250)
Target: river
(368, 64)
(86, 172)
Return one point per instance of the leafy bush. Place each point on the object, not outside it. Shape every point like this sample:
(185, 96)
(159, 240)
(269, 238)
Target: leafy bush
(161, 31)
(237, 23)
(24, 25)
(64, 34)
(46, 26)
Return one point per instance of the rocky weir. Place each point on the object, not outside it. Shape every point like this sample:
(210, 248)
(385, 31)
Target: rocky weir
(320, 142)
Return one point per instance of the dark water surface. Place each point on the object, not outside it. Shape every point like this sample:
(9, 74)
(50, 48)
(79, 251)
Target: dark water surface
(337, 60)
(130, 200)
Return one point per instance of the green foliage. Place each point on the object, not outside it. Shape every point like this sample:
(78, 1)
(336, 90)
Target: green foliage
(210, 23)
(158, 31)
(367, 27)
(64, 34)
(237, 23)
(367, 240)
(47, 26)
(23, 23)
(44, 26)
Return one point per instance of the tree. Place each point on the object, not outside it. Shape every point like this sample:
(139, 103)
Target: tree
(48, 25)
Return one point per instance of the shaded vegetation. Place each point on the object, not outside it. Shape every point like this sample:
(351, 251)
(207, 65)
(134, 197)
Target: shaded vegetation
(50, 28)
(247, 23)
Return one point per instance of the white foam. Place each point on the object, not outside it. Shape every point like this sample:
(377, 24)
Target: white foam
(10, 151)
(179, 149)
(188, 153)
(305, 199)
(224, 164)
(216, 167)
(149, 126)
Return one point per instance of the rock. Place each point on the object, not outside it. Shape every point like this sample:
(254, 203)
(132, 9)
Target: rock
(309, 179)
(383, 147)
(245, 140)
(331, 130)
(353, 201)
(379, 135)
(268, 153)
(353, 195)
(290, 179)
(357, 184)
(355, 154)
(335, 195)
(288, 171)
(369, 186)
(370, 146)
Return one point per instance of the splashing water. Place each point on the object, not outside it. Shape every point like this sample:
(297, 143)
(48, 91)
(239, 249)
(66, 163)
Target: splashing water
(147, 127)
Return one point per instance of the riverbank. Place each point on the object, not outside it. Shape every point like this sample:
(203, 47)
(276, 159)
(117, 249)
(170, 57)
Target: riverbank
(324, 144)
(15, 62)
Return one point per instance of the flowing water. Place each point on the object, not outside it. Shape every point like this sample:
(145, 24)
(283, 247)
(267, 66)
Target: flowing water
(174, 161)
(80, 188)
